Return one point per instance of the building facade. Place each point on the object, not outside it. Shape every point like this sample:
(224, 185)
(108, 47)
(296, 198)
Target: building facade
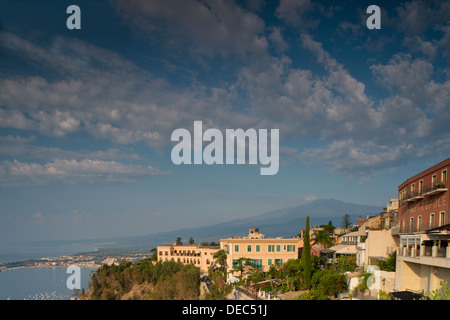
(424, 200)
(263, 252)
(200, 256)
(423, 257)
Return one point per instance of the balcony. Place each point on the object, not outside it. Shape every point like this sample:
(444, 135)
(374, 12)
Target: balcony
(429, 190)
(434, 253)
(421, 228)
(435, 188)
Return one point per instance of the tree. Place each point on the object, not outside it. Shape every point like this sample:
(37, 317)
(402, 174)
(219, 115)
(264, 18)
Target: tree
(329, 282)
(154, 256)
(329, 228)
(306, 257)
(221, 259)
(346, 221)
(389, 264)
(191, 241)
(178, 241)
(324, 238)
(242, 265)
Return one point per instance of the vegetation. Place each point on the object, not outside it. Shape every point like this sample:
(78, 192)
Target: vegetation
(442, 294)
(344, 264)
(389, 264)
(160, 280)
(306, 257)
(218, 288)
(328, 283)
(211, 244)
(346, 221)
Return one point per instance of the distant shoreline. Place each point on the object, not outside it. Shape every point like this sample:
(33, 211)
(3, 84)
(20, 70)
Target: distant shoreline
(40, 267)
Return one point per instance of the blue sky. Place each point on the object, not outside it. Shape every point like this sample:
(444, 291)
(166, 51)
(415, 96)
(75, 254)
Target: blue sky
(86, 115)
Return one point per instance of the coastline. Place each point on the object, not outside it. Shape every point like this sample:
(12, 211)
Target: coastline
(40, 267)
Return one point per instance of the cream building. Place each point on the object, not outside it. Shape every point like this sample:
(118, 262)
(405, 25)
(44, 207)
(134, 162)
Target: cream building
(201, 256)
(263, 251)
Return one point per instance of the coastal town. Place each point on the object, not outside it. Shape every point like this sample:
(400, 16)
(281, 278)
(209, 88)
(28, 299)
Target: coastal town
(85, 260)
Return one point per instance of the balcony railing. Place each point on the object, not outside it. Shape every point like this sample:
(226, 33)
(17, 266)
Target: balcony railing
(415, 228)
(439, 249)
(435, 188)
(429, 190)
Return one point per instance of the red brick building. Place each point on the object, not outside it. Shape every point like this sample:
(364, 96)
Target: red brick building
(423, 227)
(424, 200)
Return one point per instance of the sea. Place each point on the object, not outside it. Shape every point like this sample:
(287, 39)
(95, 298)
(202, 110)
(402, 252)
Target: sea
(43, 283)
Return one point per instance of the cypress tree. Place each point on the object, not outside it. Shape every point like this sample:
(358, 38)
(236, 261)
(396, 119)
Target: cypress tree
(306, 257)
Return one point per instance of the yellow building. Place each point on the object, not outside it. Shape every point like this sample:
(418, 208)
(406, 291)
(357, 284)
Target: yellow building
(263, 252)
(201, 256)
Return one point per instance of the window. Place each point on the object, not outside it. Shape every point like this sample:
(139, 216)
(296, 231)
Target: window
(257, 248)
(419, 223)
(257, 263)
(278, 261)
(270, 248)
(433, 181)
(413, 189)
(411, 223)
(278, 248)
(444, 177)
(291, 248)
(269, 262)
(236, 248)
(249, 248)
(420, 187)
(441, 218)
(432, 220)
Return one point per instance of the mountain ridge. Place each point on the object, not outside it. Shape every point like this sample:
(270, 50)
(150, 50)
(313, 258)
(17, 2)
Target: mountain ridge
(284, 222)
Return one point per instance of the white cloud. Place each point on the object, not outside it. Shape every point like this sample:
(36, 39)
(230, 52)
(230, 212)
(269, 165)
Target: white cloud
(71, 172)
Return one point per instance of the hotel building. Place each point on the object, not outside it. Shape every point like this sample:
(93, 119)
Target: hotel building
(263, 251)
(200, 256)
(423, 228)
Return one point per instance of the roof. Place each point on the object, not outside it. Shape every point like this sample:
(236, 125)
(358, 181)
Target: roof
(355, 233)
(344, 249)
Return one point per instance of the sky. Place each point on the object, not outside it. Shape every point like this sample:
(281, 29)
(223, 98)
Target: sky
(86, 115)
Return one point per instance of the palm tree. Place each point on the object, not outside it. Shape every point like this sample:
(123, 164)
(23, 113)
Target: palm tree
(243, 265)
(323, 238)
(221, 259)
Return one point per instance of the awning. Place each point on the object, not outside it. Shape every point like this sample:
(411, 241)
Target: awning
(441, 228)
(406, 295)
